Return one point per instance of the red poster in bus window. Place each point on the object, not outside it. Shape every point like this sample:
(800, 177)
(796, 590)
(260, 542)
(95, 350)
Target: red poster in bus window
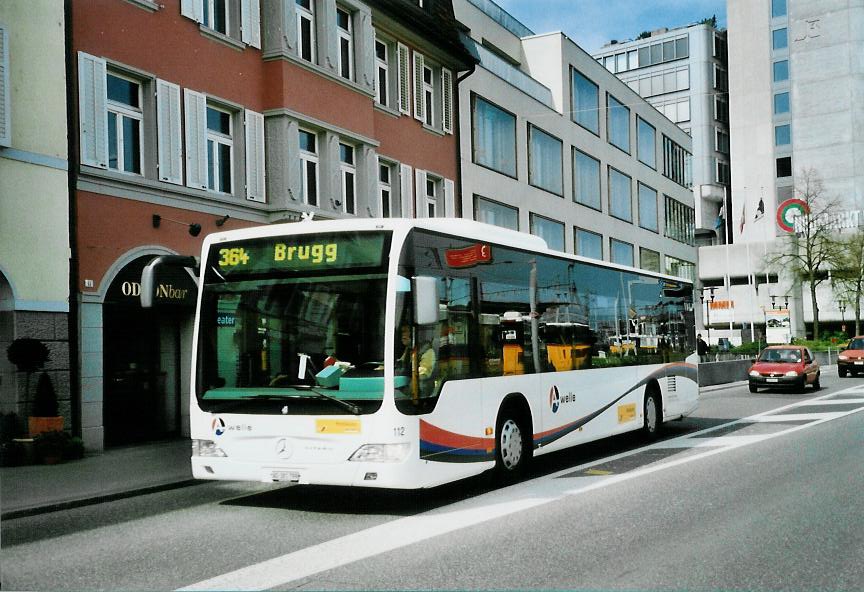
(469, 256)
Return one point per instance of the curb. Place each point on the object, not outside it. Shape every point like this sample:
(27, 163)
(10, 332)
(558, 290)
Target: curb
(98, 499)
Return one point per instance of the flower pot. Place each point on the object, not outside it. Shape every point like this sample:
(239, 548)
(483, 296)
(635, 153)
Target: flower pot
(39, 425)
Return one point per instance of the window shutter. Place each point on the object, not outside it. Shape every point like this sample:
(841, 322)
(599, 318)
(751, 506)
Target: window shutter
(449, 198)
(196, 139)
(192, 9)
(406, 190)
(404, 80)
(169, 136)
(419, 103)
(250, 22)
(5, 90)
(420, 194)
(364, 47)
(92, 110)
(447, 101)
(255, 188)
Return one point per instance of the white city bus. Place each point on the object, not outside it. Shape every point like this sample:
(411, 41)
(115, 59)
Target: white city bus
(411, 353)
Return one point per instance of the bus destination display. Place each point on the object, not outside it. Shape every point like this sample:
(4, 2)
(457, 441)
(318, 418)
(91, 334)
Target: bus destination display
(297, 253)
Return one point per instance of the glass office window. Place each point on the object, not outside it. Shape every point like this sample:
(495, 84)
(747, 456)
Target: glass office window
(586, 102)
(779, 39)
(549, 230)
(781, 103)
(649, 260)
(778, 8)
(494, 136)
(620, 202)
(586, 180)
(782, 135)
(621, 252)
(589, 244)
(618, 123)
(781, 70)
(545, 164)
(647, 208)
(492, 212)
(646, 142)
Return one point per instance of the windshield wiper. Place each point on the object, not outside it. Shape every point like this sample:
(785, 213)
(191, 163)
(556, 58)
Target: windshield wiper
(349, 406)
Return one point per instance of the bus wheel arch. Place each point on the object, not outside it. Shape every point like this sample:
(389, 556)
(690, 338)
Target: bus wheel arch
(514, 435)
(652, 410)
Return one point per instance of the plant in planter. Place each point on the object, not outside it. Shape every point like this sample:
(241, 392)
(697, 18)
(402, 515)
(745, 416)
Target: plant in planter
(29, 355)
(46, 416)
(54, 447)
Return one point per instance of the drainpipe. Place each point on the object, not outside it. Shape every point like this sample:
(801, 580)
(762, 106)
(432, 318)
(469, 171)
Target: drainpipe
(72, 164)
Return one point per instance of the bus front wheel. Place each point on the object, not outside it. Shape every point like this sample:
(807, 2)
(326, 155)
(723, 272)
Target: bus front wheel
(512, 445)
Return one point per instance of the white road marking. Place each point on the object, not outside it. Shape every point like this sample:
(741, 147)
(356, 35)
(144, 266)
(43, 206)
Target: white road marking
(402, 532)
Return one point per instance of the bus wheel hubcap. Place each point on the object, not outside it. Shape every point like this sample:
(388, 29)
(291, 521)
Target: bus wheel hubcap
(511, 444)
(651, 414)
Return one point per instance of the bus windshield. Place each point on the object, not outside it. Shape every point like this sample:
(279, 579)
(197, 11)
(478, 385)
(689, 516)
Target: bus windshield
(292, 336)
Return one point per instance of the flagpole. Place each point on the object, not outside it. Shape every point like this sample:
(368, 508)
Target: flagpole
(727, 278)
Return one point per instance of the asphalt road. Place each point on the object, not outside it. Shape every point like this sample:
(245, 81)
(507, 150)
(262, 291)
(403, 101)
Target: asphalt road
(771, 503)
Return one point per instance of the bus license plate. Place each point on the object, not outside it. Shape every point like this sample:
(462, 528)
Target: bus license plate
(292, 476)
(771, 380)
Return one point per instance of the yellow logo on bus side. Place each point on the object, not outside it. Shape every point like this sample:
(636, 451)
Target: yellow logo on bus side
(626, 412)
(337, 426)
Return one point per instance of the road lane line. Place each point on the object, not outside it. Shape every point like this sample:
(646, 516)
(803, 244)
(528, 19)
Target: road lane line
(402, 532)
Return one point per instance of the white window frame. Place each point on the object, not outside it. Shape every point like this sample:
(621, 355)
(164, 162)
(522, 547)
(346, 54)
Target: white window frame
(208, 15)
(345, 37)
(307, 158)
(121, 110)
(214, 159)
(432, 200)
(348, 176)
(385, 186)
(382, 96)
(309, 15)
(428, 95)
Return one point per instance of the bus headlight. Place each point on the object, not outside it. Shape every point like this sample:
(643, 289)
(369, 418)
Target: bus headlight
(381, 453)
(206, 448)
(792, 373)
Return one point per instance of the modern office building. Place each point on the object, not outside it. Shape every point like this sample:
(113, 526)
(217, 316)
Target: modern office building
(196, 116)
(554, 144)
(683, 73)
(795, 82)
(34, 200)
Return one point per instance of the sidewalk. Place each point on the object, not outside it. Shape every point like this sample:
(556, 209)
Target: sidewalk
(114, 474)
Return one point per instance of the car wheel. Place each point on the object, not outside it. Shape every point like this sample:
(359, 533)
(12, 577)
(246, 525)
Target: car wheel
(652, 415)
(512, 446)
(816, 385)
(753, 388)
(799, 388)
(841, 372)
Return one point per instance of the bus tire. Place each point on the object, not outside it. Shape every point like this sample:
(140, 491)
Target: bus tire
(652, 413)
(513, 449)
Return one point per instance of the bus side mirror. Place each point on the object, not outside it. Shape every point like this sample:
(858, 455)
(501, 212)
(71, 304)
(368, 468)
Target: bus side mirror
(425, 291)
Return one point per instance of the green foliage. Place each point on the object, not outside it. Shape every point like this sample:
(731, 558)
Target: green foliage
(45, 402)
(644, 35)
(27, 354)
(712, 20)
(57, 445)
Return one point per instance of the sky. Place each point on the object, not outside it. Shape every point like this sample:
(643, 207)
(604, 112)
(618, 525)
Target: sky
(593, 23)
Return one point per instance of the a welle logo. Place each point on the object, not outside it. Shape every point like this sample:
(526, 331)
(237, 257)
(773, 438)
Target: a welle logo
(556, 399)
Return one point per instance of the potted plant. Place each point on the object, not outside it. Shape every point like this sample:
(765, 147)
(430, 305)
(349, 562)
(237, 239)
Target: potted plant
(46, 416)
(51, 448)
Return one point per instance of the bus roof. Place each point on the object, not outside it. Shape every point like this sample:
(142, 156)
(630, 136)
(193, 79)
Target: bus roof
(456, 226)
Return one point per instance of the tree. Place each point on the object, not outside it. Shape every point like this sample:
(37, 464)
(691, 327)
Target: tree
(809, 250)
(848, 272)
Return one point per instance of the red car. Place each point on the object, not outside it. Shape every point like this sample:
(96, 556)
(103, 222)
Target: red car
(851, 359)
(784, 366)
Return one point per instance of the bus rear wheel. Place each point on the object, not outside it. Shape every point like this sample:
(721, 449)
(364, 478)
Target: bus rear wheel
(512, 445)
(651, 415)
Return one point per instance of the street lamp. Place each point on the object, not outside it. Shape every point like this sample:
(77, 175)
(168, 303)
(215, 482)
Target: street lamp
(842, 306)
(707, 301)
(775, 306)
